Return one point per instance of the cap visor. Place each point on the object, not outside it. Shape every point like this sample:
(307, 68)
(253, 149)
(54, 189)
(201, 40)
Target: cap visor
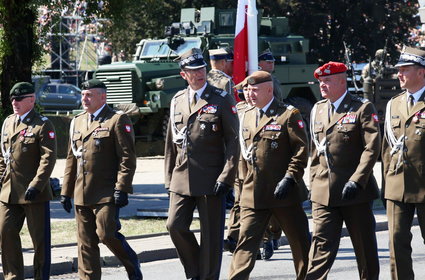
(399, 64)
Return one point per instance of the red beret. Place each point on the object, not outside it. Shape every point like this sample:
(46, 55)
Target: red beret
(330, 68)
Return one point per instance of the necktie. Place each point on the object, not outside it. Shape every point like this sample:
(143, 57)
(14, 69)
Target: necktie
(91, 119)
(193, 101)
(410, 103)
(17, 121)
(260, 114)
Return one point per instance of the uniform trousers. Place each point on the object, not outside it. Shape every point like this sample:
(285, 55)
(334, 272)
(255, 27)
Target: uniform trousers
(12, 218)
(294, 224)
(273, 230)
(199, 260)
(361, 225)
(400, 218)
(234, 214)
(96, 223)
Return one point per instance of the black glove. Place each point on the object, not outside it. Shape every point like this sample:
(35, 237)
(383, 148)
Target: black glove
(350, 190)
(31, 193)
(121, 198)
(66, 203)
(221, 188)
(283, 187)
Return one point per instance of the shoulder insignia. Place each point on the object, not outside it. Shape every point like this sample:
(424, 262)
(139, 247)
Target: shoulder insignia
(360, 99)
(223, 93)
(322, 101)
(398, 95)
(43, 118)
(80, 114)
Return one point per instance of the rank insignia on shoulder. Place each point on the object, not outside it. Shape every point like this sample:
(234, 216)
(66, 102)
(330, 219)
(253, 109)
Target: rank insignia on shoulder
(43, 118)
(273, 127)
(128, 128)
(51, 134)
(300, 124)
(375, 118)
(209, 109)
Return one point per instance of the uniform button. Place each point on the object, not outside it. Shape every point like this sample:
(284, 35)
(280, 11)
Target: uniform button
(406, 138)
(84, 161)
(85, 150)
(405, 161)
(188, 133)
(85, 173)
(328, 143)
(254, 158)
(407, 125)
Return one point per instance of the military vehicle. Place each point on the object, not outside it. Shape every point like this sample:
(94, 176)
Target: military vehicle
(144, 87)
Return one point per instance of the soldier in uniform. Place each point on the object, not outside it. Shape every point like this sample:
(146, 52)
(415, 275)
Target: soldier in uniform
(234, 214)
(99, 172)
(221, 71)
(346, 143)
(266, 63)
(403, 156)
(273, 143)
(201, 156)
(28, 155)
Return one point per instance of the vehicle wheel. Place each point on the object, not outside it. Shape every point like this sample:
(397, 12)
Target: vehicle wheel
(164, 123)
(305, 106)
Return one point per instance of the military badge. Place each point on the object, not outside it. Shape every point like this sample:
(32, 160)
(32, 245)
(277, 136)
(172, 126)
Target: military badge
(24, 149)
(300, 124)
(202, 126)
(51, 134)
(210, 109)
(128, 128)
(234, 111)
(375, 118)
(273, 127)
(349, 118)
(274, 145)
(21, 135)
(214, 127)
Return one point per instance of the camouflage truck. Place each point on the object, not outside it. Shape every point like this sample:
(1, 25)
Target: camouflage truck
(144, 87)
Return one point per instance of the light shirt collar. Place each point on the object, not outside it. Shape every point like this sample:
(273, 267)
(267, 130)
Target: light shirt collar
(95, 114)
(199, 91)
(339, 101)
(265, 108)
(417, 94)
(24, 115)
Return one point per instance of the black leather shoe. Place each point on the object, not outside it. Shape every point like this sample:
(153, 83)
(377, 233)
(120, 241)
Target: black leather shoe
(276, 244)
(267, 250)
(229, 245)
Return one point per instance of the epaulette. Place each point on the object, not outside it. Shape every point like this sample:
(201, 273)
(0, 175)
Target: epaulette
(180, 92)
(360, 99)
(398, 94)
(322, 101)
(220, 92)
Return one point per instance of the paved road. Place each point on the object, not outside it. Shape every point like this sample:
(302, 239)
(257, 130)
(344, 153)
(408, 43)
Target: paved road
(280, 266)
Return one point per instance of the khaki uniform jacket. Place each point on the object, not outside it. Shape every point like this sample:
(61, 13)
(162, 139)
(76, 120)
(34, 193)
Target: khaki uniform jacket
(108, 159)
(406, 183)
(279, 147)
(221, 80)
(32, 147)
(353, 144)
(212, 150)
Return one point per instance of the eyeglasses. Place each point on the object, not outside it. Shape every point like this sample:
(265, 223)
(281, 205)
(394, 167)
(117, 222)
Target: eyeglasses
(19, 98)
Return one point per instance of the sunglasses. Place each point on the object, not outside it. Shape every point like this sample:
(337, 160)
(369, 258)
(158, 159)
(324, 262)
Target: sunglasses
(19, 98)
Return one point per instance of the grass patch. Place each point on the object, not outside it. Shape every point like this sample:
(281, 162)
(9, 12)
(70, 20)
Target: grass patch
(66, 231)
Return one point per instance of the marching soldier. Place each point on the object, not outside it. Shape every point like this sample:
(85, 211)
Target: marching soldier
(99, 172)
(234, 214)
(274, 147)
(346, 144)
(220, 75)
(201, 156)
(403, 157)
(266, 63)
(28, 156)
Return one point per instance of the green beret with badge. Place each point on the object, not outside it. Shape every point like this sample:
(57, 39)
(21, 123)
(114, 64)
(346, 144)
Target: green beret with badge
(259, 77)
(22, 88)
(93, 83)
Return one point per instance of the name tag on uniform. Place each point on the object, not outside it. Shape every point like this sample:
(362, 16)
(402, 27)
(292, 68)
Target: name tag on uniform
(273, 127)
(209, 109)
(349, 118)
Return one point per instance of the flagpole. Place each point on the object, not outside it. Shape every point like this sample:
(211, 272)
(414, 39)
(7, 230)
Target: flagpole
(252, 19)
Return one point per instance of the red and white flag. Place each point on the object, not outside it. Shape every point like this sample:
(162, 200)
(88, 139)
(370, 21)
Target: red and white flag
(246, 40)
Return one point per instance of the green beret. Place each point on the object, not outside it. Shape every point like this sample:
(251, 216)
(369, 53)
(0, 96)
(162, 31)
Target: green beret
(93, 83)
(258, 77)
(22, 88)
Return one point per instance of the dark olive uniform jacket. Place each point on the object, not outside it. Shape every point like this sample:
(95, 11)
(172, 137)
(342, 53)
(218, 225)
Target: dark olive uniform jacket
(407, 182)
(108, 158)
(33, 157)
(212, 143)
(353, 145)
(279, 148)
